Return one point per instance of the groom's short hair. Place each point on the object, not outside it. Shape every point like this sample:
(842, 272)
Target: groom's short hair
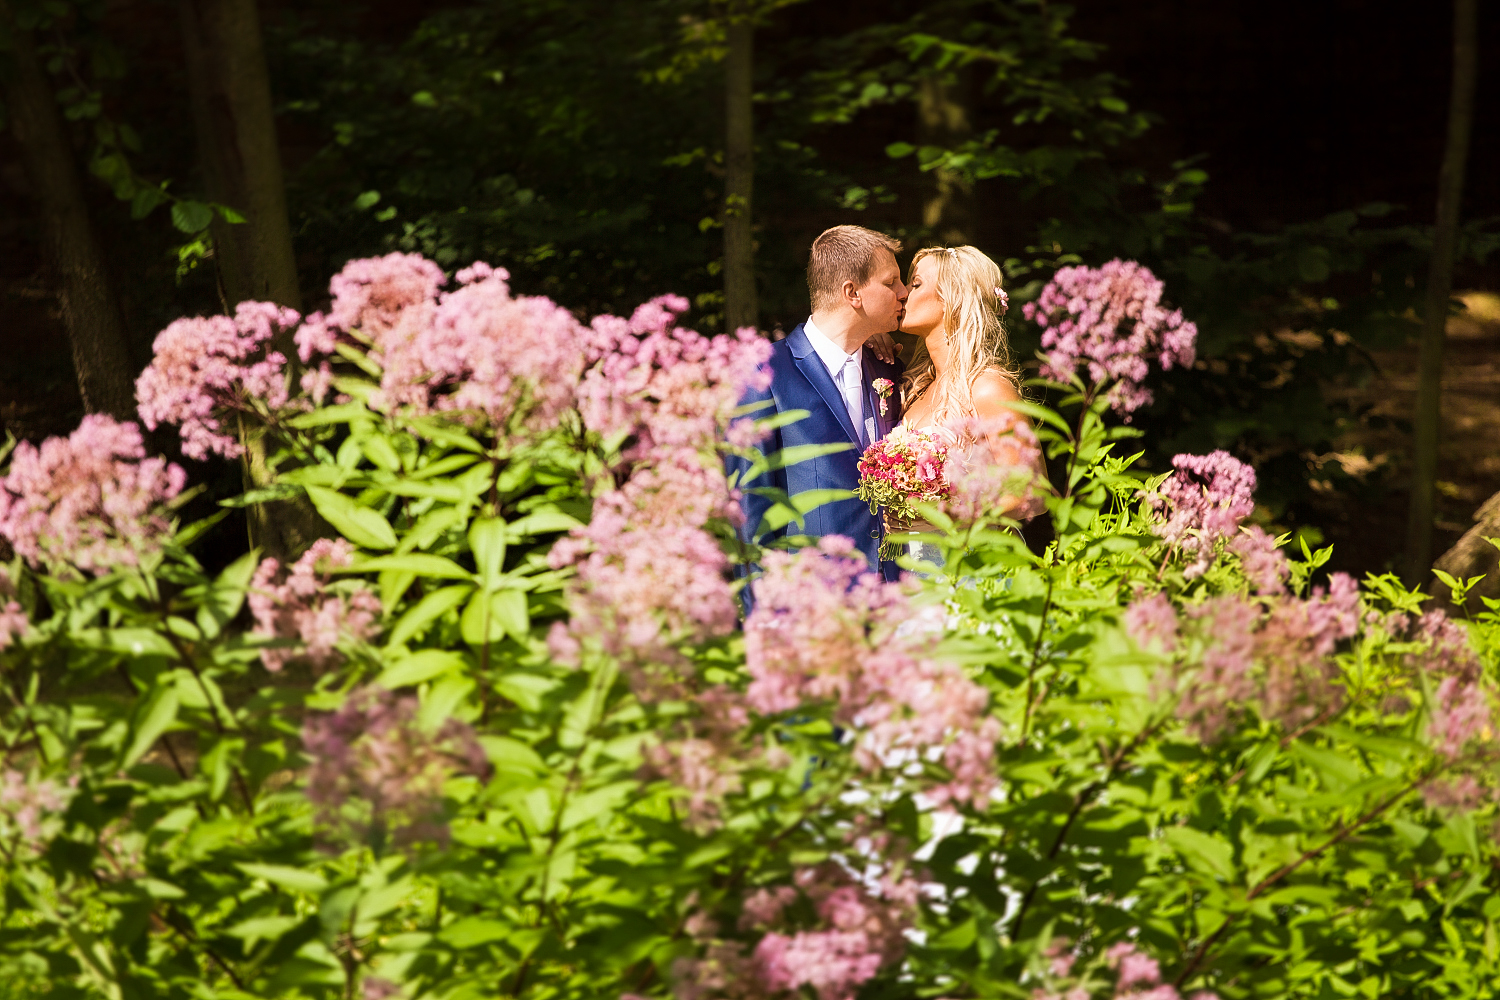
(840, 254)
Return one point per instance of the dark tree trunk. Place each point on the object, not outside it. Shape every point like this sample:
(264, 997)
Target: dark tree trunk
(89, 302)
(740, 305)
(1439, 288)
(231, 99)
(230, 89)
(943, 121)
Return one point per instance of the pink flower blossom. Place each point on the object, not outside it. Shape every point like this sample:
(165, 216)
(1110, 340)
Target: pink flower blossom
(1152, 623)
(306, 609)
(202, 367)
(27, 803)
(862, 933)
(374, 770)
(763, 907)
(1265, 566)
(1133, 968)
(375, 296)
(665, 386)
(1296, 646)
(375, 988)
(1060, 957)
(1461, 793)
(1110, 321)
(991, 471)
(91, 501)
(824, 630)
(1204, 500)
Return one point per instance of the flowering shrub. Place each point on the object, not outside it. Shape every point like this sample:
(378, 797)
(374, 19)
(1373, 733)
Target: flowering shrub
(506, 735)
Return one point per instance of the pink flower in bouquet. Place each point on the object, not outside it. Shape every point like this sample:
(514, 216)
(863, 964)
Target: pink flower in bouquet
(903, 468)
(1110, 321)
(91, 501)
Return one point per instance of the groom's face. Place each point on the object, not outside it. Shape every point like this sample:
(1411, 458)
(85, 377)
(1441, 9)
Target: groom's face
(883, 296)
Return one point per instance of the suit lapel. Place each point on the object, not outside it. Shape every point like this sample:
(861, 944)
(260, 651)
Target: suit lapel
(811, 367)
(884, 422)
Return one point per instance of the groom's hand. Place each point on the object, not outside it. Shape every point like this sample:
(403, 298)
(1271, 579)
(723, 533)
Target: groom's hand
(885, 347)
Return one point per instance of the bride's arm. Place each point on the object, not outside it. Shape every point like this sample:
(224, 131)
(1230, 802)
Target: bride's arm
(991, 392)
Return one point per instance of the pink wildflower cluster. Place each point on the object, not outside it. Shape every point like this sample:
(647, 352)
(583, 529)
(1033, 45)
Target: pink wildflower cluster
(28, 803)
(304, 609)
(375, 770)
(1110, 320)
(649, 578)
(1265, 566)
(1280, 661)
(1204, 500)
(825, 631)
(1137, 975)
(91, 501)
(476, 349)
(13, 623)
(860, 930)
(993, 470)
(205, 366)
(1460, 712)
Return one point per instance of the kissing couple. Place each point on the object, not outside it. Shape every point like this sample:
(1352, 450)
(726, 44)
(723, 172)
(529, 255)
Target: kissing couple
(841, 366)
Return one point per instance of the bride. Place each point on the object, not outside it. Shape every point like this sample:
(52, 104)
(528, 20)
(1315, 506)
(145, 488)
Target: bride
(962, 367)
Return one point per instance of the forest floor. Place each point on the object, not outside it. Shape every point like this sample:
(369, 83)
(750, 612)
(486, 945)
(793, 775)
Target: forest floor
(1368, 532)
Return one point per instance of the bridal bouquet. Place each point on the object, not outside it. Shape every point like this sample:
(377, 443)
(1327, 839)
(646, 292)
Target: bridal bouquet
(904, 468)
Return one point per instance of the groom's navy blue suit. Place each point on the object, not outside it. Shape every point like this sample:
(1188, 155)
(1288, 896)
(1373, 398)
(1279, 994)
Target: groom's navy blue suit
(799, 381)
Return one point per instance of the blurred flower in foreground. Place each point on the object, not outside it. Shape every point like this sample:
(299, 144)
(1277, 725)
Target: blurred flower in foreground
(1204, 500)
(376, 771)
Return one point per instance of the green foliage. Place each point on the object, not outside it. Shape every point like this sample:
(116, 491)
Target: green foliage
(188, 859)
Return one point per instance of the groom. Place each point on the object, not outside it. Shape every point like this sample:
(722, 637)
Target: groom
(824, 367)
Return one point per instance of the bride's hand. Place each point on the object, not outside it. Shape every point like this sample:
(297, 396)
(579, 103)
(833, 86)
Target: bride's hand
(884, 346)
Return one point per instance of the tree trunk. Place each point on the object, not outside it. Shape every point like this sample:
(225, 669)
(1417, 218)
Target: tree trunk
(89, 302)
(230, 90)
(1439, 287)
(740, 305)
(943, 121)
(231, 98)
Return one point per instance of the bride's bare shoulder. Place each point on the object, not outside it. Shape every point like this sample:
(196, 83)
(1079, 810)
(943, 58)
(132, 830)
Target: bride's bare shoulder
(992, 390)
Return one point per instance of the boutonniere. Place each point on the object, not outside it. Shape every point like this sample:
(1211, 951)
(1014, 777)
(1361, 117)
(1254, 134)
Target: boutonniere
(883, 387)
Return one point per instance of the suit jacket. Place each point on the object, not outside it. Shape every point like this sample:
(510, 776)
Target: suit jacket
(799, 381)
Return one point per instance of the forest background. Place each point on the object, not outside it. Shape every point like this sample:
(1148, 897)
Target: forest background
(1276, 163)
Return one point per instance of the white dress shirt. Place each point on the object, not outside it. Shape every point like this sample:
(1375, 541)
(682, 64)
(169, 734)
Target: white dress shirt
(847, 372)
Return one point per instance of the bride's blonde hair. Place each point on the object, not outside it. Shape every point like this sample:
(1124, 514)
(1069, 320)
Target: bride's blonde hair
(969, 284)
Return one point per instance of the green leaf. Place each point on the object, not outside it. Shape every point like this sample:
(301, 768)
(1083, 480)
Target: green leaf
(263, 928)
(364, 527)
(418, 563)
(421, 666)
(191, 216)
(487, 541)
(487, 619)
(796, 507)
(151, 720)
(897, 150)
(428, 609)
(226, 595)
(540, 523)
(286, 877)
(471, 932)
(1202, 851)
